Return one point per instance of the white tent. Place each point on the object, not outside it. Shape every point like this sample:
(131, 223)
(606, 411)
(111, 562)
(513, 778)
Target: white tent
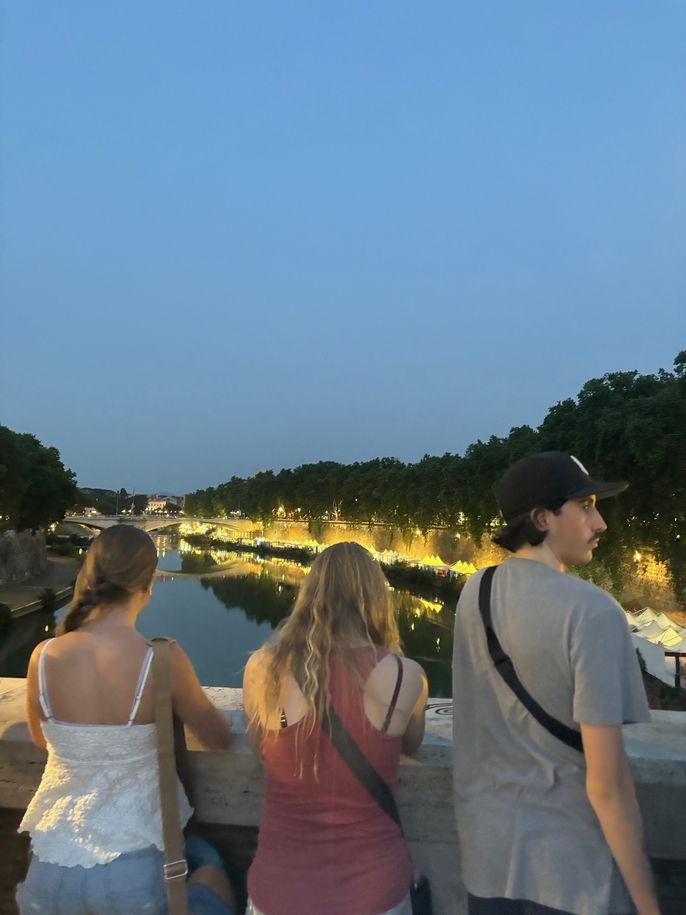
(655, 661)
(669, 638)
(651, 633)
(631, 620)
(646, 616)
(664, 621)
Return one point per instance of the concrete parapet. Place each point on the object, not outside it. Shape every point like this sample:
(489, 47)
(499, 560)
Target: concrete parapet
(229, 784)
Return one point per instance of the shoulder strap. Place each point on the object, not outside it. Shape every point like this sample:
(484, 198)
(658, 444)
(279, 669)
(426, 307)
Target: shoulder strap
(505, 667)
(394, 697)
(175, 864)
(358, 763)
(42, 689)
(140, 685)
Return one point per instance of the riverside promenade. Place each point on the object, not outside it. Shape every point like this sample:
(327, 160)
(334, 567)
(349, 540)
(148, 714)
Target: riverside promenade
(229, 788)
(24, 597)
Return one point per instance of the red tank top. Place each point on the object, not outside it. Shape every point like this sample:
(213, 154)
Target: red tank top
(325, 845)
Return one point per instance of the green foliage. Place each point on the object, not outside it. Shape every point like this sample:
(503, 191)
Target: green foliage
(106, 501)
(35, 487)
(622, 426)
(139, 502)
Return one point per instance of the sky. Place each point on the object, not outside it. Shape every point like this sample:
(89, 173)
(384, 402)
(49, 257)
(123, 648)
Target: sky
(239, 236)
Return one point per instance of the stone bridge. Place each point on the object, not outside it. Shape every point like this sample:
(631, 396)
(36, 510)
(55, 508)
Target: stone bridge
(229, 788)
(237, 526)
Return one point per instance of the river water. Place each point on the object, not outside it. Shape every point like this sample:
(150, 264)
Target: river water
(221, 606)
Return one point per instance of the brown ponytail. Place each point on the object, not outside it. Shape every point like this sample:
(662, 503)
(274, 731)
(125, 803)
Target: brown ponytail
(119, 562)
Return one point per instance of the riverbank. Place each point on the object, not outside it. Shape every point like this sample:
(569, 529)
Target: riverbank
(401, 575)
(25, 596)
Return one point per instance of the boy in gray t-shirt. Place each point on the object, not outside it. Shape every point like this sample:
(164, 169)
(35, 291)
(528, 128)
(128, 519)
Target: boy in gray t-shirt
(542, 826)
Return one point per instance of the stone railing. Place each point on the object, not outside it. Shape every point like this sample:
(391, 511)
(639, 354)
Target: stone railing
(229, 784)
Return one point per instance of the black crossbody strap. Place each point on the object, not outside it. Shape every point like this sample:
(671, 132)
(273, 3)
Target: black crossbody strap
(505, 667)
(358, 763)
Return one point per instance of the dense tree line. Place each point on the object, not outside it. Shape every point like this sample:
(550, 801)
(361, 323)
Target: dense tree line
(622, 426)
(111, 502)
(35, 487)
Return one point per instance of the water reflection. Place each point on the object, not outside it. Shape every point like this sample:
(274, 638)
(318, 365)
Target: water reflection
(426, 627)
(259, 596)
(222, 605)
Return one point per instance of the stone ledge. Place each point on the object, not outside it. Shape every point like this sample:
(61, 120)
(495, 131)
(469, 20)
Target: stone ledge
(230, 783)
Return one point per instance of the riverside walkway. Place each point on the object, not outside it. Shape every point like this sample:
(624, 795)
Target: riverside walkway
(229, 788)
(25, 596)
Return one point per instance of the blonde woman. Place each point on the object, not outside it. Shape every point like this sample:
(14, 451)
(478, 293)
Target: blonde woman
(325, 845)
(95, 822)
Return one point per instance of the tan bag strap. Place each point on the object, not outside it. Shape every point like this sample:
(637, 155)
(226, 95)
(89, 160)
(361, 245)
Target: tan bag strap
(175, 864)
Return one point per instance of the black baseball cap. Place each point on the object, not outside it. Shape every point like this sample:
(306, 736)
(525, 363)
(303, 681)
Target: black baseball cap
(545, 480)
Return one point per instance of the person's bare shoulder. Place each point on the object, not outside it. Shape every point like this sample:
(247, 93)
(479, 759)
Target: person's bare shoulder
(415, 674)
(256, 666)
(39, 648)
(383, 678)
(412, 668)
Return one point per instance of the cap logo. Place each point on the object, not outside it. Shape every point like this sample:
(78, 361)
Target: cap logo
(579, 465)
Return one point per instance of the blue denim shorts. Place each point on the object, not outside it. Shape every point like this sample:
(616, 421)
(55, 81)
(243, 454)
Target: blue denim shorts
(132, 883)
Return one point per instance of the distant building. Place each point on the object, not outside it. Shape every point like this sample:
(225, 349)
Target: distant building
(159, 501)
(156, 504)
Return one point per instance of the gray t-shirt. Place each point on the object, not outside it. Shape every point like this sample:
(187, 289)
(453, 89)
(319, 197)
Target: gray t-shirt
(526, 828)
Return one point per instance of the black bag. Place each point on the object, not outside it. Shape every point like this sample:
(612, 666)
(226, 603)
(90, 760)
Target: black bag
(420, 894)
(369, 778)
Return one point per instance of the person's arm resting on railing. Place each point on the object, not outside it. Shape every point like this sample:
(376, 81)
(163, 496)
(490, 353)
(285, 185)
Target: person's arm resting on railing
(192, 705)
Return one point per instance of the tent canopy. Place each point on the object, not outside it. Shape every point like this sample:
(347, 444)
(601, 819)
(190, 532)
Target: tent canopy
(650, 633)
(646, 616)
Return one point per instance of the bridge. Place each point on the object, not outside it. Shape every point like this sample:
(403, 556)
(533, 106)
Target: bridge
(229, 794)
(237, 526)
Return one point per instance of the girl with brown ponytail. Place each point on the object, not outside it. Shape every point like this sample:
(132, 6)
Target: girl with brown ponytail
(95, 822)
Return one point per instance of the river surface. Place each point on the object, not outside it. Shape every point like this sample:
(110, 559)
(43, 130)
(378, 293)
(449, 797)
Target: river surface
(221, 606)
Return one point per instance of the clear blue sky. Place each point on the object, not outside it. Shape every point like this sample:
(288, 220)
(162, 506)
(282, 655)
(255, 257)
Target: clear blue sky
(246, 235)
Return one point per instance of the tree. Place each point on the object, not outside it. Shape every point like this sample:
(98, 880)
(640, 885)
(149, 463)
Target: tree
(622, 426)
(139, 503)
(35, 487)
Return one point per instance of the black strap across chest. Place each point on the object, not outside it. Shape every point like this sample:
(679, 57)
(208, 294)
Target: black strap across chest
(359, 765)
(355, 759)
(505, 667)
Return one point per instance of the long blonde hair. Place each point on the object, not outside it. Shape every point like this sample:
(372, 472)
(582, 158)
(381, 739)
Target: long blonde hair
(119, 562)
(343, 602)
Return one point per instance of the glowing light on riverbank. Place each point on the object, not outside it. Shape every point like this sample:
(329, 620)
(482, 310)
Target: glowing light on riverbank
(194, 527)
(433, 606)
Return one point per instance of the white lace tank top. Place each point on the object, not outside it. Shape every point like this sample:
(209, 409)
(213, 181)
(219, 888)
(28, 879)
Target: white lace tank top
(99, 795)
